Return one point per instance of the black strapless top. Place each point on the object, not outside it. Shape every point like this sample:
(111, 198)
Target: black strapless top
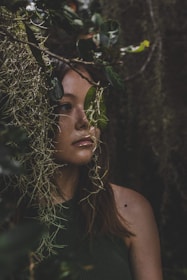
(100, 258)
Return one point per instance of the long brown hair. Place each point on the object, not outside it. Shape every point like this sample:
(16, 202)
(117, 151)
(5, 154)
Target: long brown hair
(94, 194)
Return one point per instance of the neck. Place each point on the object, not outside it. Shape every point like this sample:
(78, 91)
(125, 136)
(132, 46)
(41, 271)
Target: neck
(66, 180)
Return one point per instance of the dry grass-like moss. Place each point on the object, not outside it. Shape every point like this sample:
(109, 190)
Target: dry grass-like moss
(24, 84)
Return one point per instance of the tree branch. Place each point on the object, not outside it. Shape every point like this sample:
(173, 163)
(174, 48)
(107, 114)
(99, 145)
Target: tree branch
(69, 62)
(142, 69)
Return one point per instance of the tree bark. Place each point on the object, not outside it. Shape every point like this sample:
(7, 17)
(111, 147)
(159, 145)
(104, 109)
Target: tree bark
(148, 119)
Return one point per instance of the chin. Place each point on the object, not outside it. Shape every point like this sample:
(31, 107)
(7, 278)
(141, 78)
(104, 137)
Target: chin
(82, 158)
(75, 160)
(82, 161)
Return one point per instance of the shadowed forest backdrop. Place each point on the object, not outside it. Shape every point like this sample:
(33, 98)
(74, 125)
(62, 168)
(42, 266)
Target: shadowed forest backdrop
(150, 150)
(147, 131)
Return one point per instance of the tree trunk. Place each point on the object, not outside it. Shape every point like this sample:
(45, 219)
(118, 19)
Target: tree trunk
(148, 119)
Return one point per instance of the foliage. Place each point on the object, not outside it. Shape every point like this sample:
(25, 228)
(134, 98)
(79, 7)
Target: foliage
(11, 140)
(95, 113)
(27, 89)
(25, 114)
(96, 40)
(16, 242)
(15, 245)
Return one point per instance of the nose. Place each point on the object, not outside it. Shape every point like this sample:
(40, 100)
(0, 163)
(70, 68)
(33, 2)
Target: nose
(81, 119)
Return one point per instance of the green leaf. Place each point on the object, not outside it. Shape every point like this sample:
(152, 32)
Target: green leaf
(136, 49)
(109, 32)
(57, 91)
(69, 13)
(36, 53)
(10, 133)
(72, 20)
(114, 78)
(13, 140)
(102, 118)
(7, 164)
(16, 243)
(97, 20)
(90, 97)
(95, 108)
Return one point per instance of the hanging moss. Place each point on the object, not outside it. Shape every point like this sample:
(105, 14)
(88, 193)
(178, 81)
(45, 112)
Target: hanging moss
(25, 86)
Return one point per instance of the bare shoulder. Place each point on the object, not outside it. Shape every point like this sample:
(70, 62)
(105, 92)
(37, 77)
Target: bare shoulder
(144, 244)
(130, 199)
(132, 206)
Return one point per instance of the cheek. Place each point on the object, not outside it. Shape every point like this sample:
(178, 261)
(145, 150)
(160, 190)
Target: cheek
(65, 127)
(60, 136)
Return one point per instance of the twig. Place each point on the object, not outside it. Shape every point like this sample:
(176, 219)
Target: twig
(69, 62)
(143, 67)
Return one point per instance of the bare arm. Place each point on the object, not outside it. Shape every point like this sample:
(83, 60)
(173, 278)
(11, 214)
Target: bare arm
(144, 246)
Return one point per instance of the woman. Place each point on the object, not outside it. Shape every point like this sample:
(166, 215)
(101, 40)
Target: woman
(109, 230)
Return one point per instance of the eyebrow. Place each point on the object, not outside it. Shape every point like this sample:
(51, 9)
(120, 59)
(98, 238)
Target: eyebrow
(68, 94)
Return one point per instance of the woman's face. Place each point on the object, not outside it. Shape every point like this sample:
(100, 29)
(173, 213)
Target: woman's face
(76, 140)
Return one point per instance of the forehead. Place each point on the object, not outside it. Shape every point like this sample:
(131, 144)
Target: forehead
(74, 81)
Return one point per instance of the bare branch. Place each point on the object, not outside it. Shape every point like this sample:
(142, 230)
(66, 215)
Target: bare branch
(69, 62)
(142, 69)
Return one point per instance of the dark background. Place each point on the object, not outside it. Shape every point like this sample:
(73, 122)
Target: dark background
(148, 131)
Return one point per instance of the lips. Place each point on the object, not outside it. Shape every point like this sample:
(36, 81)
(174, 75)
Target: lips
(83, 142)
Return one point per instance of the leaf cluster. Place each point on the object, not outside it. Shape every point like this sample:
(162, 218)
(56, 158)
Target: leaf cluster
(13, 140)
(95, 107)
(96, 39)
(17, 242)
